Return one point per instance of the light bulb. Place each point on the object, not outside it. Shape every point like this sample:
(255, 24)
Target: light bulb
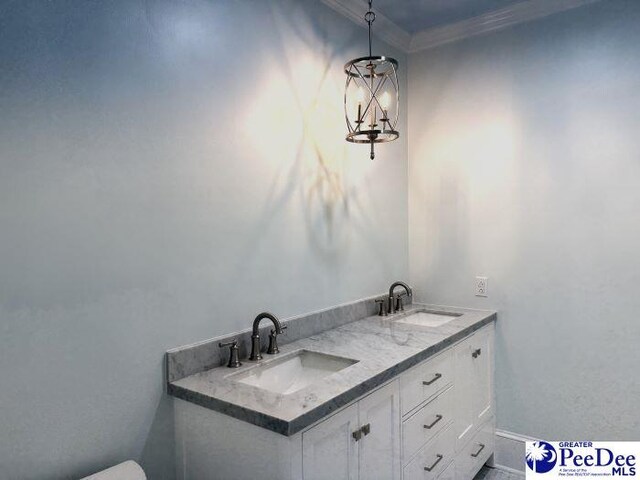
(385, 101)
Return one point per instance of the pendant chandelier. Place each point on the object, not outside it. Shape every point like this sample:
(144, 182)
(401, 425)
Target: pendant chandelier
(371, 97)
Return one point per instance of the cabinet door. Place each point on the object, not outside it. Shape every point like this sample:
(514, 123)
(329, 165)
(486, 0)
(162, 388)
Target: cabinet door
(329, 449)
(482, 346)
(464, 392)
(473, 383)
(379, 415)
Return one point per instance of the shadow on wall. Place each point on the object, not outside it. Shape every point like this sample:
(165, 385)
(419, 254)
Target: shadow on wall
(296, 124)
(300, 122)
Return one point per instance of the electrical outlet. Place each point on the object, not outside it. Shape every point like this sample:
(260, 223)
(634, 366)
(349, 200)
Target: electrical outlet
(482, 287)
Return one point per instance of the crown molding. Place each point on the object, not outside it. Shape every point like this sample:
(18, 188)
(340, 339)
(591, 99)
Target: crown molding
(502, 18)
(492, 21)
(384, 28)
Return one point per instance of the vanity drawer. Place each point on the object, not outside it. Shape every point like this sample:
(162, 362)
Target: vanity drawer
(423, 425)
(425, 380)
(449, 472)
(433, 458)
(476, 452)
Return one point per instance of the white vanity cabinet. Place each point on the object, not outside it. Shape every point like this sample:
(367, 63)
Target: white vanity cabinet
(434, 421)
(447, 405)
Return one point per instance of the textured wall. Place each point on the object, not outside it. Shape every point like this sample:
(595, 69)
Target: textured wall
(524, 165)
(167, 170)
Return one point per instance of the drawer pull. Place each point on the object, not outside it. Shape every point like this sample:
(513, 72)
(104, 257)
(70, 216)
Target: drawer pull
(366, 430)
(437, 376)
(438, 458)
(476, 353)
(482, 445)
(357, 435)
(430, 426)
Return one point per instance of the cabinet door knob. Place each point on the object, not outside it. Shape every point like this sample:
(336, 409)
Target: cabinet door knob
(435, 377)
(431, 425)
(482, 445)
(366, 430)
(476, 353)
(357, 435)
(234, 361)
(433, 465)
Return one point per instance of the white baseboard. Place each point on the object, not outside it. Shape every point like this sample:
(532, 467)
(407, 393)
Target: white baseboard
(509, 453)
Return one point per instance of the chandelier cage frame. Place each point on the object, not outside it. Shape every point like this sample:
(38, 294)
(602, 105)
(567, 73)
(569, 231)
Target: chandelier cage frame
(372, 76)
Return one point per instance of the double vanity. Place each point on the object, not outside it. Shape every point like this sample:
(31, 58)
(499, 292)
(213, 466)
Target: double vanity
(360, 391)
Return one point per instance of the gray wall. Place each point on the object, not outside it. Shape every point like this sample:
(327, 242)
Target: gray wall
(524, 165)
(168, 169)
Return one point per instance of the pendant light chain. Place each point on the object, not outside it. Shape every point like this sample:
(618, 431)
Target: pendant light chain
(370, 17)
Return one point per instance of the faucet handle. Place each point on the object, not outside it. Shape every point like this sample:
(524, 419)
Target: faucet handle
(273, 341)
(275, 334)
(381, 310)
(234, 360)
(399, 303)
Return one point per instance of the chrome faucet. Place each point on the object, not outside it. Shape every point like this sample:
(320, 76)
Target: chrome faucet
(255, 336)
(391, 307)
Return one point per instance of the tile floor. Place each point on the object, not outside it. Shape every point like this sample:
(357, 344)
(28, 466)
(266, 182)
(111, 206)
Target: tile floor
(493, 474)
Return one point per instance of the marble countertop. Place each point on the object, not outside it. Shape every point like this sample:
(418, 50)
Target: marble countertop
(382, 346)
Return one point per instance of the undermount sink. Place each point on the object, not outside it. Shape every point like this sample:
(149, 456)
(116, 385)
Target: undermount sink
(428, 319)
(293, 372)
